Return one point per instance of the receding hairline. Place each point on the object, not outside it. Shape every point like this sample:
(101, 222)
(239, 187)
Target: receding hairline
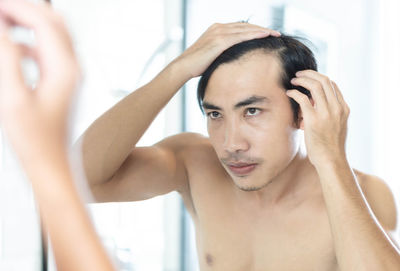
(246, 56)
(264, 51)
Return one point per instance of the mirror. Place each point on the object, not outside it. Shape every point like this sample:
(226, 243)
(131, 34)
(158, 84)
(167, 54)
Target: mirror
(123, 44)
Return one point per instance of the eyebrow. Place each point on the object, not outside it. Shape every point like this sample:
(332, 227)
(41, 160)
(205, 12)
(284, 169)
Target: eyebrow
(248, 101)
(251, 100)
(210, 106)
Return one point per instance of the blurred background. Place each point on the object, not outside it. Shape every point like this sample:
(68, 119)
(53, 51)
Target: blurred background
(122, 44)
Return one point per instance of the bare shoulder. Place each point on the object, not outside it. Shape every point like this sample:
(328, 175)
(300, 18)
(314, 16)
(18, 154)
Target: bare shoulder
(196, 153)
(197, 156)
(193, 150)
(380, 198)
(185, 142)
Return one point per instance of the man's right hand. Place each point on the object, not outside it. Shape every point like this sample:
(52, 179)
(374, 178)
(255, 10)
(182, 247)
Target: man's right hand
(218, 37)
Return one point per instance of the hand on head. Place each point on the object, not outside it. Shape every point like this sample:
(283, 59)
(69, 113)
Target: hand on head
(217, 39)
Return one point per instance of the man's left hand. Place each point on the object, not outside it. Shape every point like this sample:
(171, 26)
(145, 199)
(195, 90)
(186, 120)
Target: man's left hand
(324, 117)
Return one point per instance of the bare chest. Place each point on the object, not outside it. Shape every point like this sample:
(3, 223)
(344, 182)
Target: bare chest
(227, 241)
(234, 237)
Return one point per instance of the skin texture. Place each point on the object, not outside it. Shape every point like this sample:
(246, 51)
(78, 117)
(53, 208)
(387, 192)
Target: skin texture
(299, 209)
(266, 134)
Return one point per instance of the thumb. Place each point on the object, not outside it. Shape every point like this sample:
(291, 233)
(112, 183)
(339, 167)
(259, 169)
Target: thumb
(11, 77)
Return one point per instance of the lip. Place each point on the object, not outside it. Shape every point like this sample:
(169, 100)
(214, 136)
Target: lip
(241, 169)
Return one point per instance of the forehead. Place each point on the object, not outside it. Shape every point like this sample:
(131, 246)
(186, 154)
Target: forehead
(256, 73)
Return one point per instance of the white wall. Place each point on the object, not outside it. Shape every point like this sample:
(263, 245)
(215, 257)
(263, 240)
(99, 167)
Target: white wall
(386, 97)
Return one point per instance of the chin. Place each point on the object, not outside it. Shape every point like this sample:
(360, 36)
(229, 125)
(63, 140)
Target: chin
(248, 186)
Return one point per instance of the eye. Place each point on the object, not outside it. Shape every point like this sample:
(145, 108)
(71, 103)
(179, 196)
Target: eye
(252, 111)
(214, 115)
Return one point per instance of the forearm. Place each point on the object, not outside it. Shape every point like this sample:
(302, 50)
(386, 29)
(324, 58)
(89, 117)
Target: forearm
(76, 245)
(110, 139)
(360, 241)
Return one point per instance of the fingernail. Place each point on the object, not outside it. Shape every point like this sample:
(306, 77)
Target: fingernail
(277, 33)
(262, 34)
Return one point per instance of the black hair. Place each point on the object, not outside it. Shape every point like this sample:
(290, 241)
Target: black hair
(293, 55)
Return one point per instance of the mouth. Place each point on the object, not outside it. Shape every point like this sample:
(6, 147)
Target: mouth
(241, 169)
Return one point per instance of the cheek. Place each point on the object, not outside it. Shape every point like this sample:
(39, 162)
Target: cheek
(269, 124)
(214, 128)
(275, 136)
(215, 134)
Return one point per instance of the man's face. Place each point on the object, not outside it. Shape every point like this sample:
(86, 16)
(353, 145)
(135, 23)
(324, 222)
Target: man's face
(250, 121)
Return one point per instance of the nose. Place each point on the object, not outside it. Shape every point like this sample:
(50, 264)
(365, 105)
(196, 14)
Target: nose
(234, 140)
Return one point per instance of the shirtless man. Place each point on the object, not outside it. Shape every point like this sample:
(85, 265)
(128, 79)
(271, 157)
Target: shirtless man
(246, 190)
(257, 199)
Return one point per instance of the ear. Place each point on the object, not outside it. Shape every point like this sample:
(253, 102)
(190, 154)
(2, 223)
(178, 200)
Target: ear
(300, 119)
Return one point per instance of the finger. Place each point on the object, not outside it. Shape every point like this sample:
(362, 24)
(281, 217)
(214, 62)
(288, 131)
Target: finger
(54, 51)
(252, 27)
(27, 51)
(241, 27)
(50, 33)
(235, 38)
(315, 88)
(302, 100)
(11, 77)
(41, 10)
(325, 82)
(340, 96)
(275, 33)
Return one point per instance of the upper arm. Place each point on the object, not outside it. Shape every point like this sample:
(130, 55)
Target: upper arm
(383, 204)
(148, 172)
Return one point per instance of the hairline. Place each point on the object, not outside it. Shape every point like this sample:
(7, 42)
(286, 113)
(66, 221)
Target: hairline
(265, 51)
